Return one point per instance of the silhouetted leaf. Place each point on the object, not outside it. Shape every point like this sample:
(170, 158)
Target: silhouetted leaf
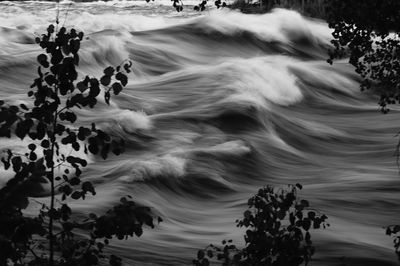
(88, 187)
(122, 78)
(117, 88)
(81, 86)
(76, 195)
(42, 59)
(105, 80)
(109, 71)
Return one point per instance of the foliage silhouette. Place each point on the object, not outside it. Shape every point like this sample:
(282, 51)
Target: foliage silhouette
(277, 234)
(178, 5)
(50, 237)
(394, 231)
(369, 30)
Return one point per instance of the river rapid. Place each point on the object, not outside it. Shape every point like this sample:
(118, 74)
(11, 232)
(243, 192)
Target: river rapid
(218, 105)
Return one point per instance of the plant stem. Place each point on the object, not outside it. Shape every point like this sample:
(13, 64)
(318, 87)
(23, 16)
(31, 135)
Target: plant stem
(33, 253)
(52, 194)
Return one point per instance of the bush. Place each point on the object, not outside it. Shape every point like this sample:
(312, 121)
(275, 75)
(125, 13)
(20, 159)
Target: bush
(277, 234)
(49, 238)
(369, 30)
(394, 231)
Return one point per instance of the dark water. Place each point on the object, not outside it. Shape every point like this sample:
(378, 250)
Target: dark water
(218, 106)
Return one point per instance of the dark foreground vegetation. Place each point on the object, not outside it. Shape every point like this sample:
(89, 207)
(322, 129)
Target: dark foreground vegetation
(49, 237)
(367, 31)
(278, 231)
(277, 223)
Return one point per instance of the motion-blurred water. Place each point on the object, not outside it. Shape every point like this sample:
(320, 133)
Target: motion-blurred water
(220, 104)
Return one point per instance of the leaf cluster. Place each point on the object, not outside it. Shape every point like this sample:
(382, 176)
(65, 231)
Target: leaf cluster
(48, 124)
(178, 5)
(278, 231)
(394, 231)
(202, 6)
(369, 30)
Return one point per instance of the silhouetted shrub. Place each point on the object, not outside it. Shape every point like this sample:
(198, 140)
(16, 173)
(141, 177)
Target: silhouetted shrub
(369, 30)
(49, 238)
(278, 231)
(394, 231)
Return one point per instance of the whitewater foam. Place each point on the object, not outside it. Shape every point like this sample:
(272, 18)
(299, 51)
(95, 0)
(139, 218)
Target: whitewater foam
(220, 104)
(161, 167)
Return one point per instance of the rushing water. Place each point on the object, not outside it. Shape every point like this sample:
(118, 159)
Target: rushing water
(220, 104)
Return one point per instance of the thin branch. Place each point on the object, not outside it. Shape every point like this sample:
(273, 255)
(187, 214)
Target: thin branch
(38, 202)
(62, 109)
(66, 15)
(58, 15)
(89, 246)
(60, 184)
(33, 253)
(60, 164)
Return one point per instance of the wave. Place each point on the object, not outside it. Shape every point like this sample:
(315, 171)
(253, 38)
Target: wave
(218, 105)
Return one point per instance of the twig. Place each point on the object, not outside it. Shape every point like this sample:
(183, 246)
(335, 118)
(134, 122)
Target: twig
(58, 14)
(66, 14)
(33, 253)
